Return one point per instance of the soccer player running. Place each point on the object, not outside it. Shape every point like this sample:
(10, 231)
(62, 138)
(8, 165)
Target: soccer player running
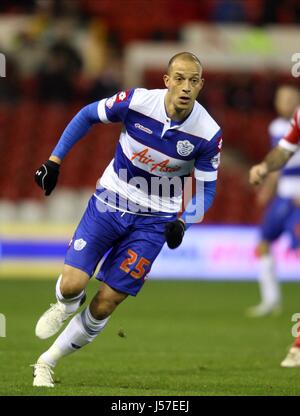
(276, 159)
(166, 135)
(279, 191)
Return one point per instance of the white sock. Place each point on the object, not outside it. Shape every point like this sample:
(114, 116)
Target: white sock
(269, 286)
(71, 304)
(81, 330)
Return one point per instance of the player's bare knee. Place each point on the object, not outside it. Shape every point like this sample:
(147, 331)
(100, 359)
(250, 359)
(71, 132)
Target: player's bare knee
(105, 302)
(73, 282)
(100, 314)
(101, 310)
(69, 290)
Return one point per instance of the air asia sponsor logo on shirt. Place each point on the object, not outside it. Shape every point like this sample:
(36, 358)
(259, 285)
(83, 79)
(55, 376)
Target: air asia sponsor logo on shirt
(144, 157)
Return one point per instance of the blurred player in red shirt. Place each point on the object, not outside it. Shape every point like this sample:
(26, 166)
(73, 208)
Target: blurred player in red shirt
(280, 155)
(277, 195)
(275, 160)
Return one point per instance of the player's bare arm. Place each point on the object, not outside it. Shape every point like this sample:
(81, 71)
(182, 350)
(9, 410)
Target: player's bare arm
(280, 155)
(277, 158)
(268, 190)
(274, 160)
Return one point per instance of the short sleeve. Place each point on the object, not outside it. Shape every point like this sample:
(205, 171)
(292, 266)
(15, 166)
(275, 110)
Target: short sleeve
(291, 141)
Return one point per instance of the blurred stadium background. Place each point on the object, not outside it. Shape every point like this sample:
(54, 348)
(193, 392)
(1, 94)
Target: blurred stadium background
(61, 55)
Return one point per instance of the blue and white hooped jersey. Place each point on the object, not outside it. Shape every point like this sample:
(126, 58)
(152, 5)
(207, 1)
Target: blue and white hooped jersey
(289, 180)
(151, 145)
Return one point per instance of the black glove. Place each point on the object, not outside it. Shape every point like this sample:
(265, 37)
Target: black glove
(46, 176)
(174, 232)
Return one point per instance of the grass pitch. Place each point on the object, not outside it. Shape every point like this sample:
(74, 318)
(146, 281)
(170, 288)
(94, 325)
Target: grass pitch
(181, 338)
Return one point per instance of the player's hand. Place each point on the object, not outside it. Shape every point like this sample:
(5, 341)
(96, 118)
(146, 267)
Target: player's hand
(174, 232)
(258, 174)
(46, 176)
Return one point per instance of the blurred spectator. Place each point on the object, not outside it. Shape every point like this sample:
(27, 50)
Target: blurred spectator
(109, 81)
(58, 73)
(29, 52)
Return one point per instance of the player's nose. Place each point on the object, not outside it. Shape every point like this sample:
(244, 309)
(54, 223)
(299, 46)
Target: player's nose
(186, 86)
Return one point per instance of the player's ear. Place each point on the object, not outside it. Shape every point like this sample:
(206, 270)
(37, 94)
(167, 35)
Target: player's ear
(201, 83)
(166, 79)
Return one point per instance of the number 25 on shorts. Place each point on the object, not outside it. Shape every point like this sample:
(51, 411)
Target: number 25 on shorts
(139, 269)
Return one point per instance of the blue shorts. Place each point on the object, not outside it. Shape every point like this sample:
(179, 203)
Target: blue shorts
(127, 243)
(281, 216)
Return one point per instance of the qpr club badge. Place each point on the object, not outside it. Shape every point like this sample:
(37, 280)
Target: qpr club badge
(79, 244)
(184, 147)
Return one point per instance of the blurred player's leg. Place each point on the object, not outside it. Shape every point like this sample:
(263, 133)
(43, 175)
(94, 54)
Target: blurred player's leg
(268, 284)
(293, 356)
(273, 225)
(70, 294)
(80, 331)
